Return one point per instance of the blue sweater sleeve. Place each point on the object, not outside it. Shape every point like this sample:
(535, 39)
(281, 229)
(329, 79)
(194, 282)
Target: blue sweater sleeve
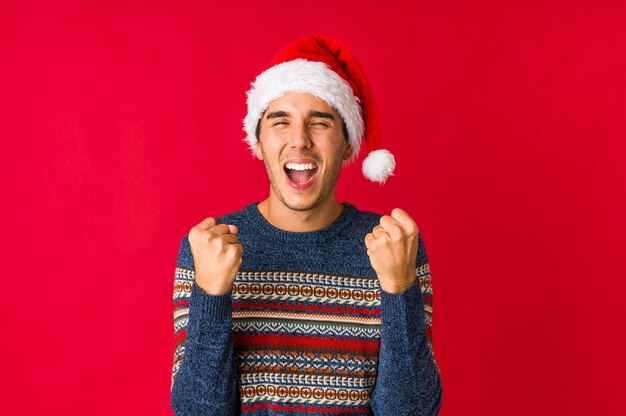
(408, 381)
(205, 381)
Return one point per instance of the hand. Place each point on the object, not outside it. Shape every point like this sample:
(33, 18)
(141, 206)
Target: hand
(216, 255)
(392, 249)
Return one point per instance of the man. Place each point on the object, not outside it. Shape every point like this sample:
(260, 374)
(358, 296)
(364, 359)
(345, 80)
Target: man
(300, 304)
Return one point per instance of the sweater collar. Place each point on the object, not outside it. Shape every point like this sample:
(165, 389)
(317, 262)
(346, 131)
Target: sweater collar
(273, 233)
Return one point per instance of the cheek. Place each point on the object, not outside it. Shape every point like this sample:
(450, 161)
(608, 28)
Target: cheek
(270, 149)
(275, 141)
(338, 151)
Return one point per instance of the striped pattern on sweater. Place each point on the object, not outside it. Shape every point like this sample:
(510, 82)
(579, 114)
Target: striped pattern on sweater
(301, 338)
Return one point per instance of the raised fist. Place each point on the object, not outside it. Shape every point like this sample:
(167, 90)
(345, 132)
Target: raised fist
(392, 249)
(216, 255)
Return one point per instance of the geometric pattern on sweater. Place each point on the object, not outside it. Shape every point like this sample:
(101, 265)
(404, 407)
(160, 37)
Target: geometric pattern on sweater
(304, 362)
(244, 290)
(283, 389)
(304, 338)
(424, 279)
(306, 287)
(243, 314)
(183, 281)
(326, 329)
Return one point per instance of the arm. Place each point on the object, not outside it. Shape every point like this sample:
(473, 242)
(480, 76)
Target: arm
(203, 375)
(408, 381)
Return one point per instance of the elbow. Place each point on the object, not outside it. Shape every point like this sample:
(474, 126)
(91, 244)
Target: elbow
(181, 401)
(425, 401)
(177, 401)
(187, 403)
(437, 399)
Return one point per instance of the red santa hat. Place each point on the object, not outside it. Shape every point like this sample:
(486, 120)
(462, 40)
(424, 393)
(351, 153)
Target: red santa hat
(324, 67)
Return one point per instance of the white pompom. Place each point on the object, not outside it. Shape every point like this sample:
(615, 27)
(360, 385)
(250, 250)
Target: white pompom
(379, 165)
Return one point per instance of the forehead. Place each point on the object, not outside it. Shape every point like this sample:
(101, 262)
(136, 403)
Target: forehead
(295, 101)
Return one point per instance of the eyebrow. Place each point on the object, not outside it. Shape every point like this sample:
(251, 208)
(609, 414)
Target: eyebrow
(277, 114)
(320, 114)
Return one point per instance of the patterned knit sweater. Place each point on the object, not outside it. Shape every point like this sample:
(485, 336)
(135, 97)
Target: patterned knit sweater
(306, 329)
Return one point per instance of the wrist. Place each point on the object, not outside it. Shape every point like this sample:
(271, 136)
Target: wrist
(396, 286)
(210, 286)
(215, 291)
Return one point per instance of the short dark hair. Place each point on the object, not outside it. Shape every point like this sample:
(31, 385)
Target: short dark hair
(257, 133)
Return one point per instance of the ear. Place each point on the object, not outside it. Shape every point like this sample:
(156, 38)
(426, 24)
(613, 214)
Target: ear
(257, 150)
(347, 154)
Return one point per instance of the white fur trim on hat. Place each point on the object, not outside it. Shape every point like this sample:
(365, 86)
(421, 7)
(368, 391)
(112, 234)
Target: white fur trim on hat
(304, 76)
(379, 165)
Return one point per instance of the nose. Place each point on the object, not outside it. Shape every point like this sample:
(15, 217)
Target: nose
(300, 137)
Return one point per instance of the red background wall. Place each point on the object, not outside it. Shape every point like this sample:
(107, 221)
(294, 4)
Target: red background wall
(120, 127)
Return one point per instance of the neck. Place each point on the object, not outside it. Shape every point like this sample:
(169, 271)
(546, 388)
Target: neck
(285, 218)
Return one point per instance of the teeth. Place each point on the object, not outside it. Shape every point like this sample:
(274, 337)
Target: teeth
(300, 166)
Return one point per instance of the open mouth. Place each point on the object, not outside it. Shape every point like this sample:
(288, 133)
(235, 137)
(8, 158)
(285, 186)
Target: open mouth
(301, 174)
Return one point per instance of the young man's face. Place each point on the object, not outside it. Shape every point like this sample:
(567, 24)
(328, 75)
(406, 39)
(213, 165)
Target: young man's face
(303, 146)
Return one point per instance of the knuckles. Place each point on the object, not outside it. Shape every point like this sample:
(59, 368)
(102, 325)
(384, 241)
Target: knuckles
(368, 240)
(390, 233)
(396, 235)
(200, 237)
(235, 249)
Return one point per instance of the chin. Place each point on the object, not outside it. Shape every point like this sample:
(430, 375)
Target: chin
(300, 205)
(305, 202)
